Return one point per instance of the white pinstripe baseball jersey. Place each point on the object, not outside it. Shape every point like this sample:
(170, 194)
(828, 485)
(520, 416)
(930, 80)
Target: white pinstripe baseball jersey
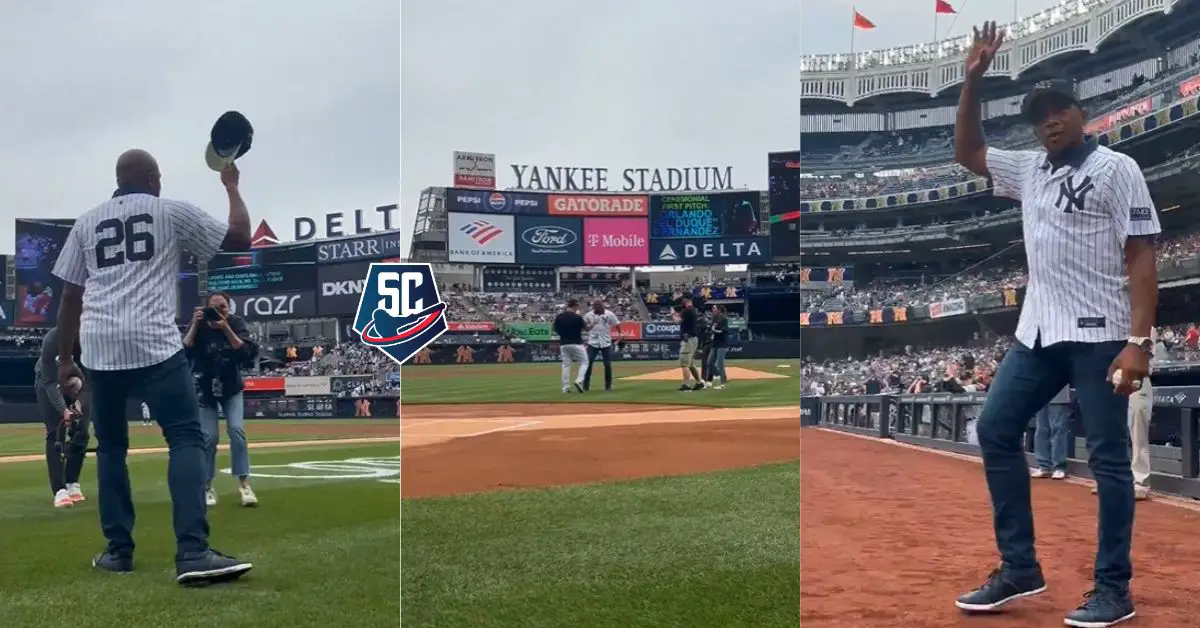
(599, 328)
(125, 253)
(1076, 218)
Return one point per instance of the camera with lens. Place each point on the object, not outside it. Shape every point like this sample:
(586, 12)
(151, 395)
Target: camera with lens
(211, 314)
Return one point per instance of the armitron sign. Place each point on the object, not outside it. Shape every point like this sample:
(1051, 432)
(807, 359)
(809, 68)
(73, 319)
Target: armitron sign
(574, 179)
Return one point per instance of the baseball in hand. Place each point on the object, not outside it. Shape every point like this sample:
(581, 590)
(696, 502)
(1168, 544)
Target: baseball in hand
(1118, 377)
(73, 386)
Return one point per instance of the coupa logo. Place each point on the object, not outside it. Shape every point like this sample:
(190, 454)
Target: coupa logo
(481, 231)
(400, 311)
(549, 237)
(497, 201)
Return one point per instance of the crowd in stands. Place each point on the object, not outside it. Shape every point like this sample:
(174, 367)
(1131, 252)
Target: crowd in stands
(931, 289)
(864, 153)
(968, 368)
(866, 185)
(463, 304)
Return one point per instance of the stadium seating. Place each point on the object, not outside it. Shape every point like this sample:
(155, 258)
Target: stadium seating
(918, 158)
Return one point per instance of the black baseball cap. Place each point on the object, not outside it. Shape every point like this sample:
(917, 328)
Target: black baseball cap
(230, 138)
(1058, 93)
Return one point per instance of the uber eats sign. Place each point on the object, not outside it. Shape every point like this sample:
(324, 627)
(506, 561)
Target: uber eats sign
(531, 332)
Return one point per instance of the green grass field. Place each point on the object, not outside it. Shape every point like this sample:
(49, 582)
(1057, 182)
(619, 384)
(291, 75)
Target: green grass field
(719, 550)
(716, 550)
(29, 438)
(540, 383)
(326, 551)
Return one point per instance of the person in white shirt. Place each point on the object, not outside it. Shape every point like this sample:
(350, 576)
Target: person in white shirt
(1089, 233)
(599, 324)
(1141, 408)
(120, 267)
(146, 414)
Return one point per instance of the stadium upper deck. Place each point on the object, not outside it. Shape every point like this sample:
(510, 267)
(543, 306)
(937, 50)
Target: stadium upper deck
(894, 108)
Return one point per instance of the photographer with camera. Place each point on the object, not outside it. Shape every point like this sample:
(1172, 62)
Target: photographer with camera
(219, 345)
(66, 425)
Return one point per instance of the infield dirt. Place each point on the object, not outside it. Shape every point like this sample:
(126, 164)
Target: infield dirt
(447, 453)
(734, 373)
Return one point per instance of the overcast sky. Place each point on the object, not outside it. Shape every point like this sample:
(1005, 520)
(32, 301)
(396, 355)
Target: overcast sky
(84, 81)
(827, 23)
(616, 84)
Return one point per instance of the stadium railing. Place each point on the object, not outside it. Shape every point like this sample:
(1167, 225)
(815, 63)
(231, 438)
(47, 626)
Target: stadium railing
(941, 421)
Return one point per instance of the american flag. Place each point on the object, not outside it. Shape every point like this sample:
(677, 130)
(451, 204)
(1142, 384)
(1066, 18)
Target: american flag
(482, 231)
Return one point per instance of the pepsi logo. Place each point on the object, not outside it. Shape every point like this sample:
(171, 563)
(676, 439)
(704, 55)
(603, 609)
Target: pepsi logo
(497, 201)
(549, 236)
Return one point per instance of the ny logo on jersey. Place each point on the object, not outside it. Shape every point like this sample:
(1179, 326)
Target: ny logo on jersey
(1071, 197)
(400, 311)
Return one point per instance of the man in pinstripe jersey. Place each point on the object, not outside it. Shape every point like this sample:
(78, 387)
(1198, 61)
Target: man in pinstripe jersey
(1089, 223)
(119, 269)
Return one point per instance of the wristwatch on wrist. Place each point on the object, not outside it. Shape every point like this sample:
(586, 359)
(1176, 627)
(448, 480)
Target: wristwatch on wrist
(1143, 343)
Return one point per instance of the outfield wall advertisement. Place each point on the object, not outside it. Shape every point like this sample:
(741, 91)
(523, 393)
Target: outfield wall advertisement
(701, 252)
(615, 241)
(549, 241)
(493, 202)
(481, 239)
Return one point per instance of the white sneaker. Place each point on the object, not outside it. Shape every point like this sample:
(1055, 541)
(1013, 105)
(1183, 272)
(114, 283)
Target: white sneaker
(566, 390)
(62, 499)
(210, 497)
(1039, 473)
(74, 492)
(719, 387)
(1058, 474)
(248, 496)
(708, 384)
(1141, 492)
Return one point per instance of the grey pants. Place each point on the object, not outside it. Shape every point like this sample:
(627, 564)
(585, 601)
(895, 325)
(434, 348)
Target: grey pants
(57, 444)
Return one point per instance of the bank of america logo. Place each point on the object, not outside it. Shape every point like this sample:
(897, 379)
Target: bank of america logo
(667, 254)
(482, 231)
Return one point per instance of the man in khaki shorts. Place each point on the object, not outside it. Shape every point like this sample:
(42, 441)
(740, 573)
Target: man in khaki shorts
(687, 346)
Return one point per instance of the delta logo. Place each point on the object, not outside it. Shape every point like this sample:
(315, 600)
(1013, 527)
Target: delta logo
(263, 236)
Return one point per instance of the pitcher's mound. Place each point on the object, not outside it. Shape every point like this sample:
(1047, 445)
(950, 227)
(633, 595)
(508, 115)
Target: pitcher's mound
(734, 372)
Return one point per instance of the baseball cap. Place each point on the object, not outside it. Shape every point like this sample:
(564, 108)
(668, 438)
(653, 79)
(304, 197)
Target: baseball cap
(1059, 92)
(230, 139)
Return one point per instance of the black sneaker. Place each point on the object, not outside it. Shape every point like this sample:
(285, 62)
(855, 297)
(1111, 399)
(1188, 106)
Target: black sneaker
(1000, 589)
(698, 387)
(579, 387)
(1101, 609)
(115, 563)
(685, 388)
(211, 568)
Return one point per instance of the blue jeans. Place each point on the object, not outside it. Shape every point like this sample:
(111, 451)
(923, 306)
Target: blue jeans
(1051, 437)
(235, 426)
(170, 392)
(716, 364)
(1026, 381)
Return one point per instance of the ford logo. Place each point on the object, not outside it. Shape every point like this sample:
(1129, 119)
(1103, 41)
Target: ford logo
(497, 201)
(550, 237)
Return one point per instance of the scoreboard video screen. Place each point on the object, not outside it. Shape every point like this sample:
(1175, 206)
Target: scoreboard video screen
(727, 215)
(270, 279)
